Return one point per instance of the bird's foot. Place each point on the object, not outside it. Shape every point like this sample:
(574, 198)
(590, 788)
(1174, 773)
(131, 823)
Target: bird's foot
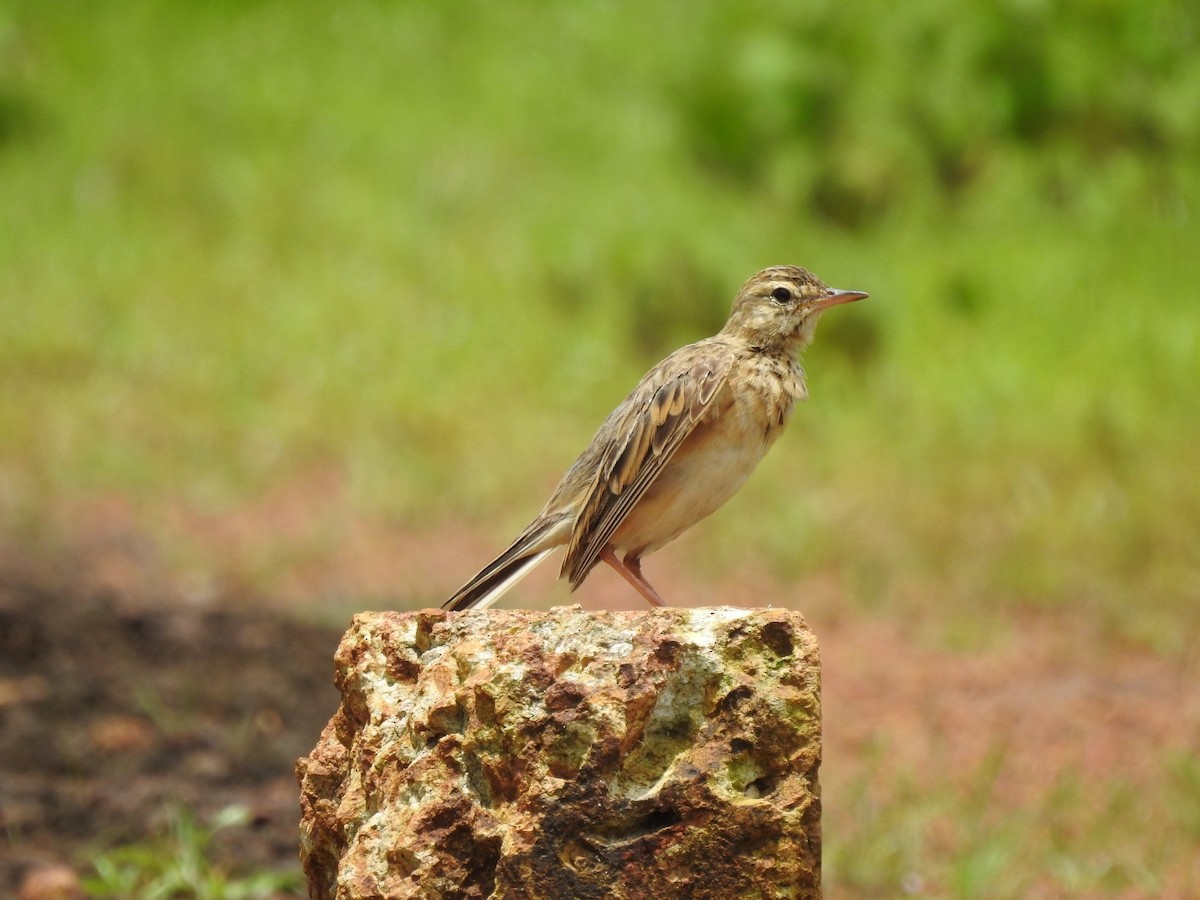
(631, 570)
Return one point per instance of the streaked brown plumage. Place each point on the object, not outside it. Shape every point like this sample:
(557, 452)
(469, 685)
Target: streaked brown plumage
(679, 446)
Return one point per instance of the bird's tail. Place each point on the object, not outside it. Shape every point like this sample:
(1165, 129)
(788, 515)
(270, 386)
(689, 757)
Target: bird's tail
(494, 580)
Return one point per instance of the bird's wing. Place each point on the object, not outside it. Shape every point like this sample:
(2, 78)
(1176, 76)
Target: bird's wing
(643, 434)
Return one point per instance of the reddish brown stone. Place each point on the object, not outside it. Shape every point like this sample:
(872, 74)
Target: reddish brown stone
(51, 882)
(567, 754)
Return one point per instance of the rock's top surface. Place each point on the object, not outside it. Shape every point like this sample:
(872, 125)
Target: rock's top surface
(569, 754)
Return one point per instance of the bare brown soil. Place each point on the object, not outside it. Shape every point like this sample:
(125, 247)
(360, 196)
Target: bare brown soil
(113, 715)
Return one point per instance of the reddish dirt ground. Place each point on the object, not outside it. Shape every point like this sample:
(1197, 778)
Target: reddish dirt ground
(126, 689)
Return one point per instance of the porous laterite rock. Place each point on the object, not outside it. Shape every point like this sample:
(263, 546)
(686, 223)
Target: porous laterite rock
(671, 753)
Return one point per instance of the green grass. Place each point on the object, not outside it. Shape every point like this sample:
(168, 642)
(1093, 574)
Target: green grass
(966, 837)
(243, 241)
(178, 864)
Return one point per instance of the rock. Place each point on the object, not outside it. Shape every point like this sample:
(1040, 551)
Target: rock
(568, 754)
(54, 881)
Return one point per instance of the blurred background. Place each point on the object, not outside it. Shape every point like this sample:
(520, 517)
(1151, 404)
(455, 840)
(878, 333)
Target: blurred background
(305, 307)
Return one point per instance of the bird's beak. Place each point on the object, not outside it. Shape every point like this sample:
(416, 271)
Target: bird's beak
(835, 297)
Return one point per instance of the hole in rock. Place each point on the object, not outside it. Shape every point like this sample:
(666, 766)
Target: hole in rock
(639, 826)
(761, 786)
(778, 636)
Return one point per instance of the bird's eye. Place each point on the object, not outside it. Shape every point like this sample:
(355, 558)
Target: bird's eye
(782, 294)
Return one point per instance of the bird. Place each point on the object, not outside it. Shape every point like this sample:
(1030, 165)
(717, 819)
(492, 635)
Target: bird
(681, 444)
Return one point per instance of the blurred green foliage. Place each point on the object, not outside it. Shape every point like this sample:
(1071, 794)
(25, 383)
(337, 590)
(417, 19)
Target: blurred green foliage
(856, 110)
(432, 244)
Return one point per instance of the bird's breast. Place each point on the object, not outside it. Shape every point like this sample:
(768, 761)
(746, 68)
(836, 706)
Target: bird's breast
(715, 460)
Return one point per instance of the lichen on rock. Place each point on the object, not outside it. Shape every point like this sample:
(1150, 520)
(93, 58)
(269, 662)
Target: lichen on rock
(568, 754)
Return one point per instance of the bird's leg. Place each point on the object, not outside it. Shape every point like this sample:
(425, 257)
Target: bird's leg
(631, 570)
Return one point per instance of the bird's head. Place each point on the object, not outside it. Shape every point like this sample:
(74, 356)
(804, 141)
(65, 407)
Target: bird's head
(778, 308)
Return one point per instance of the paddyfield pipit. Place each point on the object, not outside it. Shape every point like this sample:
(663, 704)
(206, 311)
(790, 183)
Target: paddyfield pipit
(679, 446)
